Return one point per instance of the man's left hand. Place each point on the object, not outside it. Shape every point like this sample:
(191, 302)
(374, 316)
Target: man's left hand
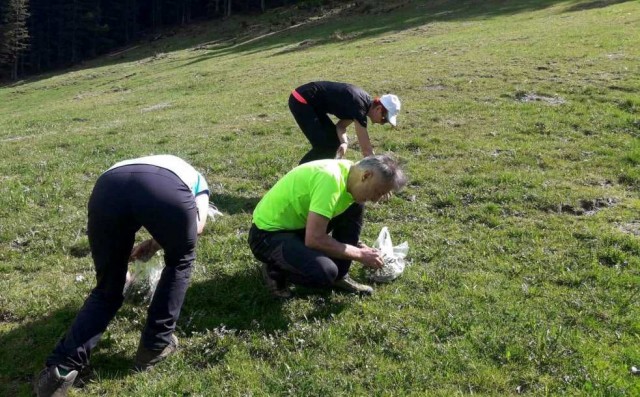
(144, 251)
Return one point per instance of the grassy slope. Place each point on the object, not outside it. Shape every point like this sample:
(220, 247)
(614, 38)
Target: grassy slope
(508, 285)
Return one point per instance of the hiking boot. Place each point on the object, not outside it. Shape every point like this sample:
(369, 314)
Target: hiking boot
(51, 384)
(350, 285)
(146, 358)
(277, 287)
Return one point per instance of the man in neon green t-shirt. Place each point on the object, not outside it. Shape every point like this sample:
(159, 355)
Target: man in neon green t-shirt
(292, 222)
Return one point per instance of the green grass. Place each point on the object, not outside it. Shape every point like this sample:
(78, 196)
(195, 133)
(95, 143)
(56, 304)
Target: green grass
(521, 216)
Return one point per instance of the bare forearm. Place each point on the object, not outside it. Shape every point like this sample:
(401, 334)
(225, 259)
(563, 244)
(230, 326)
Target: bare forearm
(333, 248)
(341, 130)
(363, 140)
(316, 237)
(202, 206)
(342, 137)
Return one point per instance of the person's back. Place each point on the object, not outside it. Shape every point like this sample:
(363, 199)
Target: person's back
(319, 186)
(343, 100)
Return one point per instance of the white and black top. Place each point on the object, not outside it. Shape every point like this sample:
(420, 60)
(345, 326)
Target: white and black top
(192, 178)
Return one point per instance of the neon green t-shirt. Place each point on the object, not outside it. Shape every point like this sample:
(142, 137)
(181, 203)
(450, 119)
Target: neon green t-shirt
(319, 186)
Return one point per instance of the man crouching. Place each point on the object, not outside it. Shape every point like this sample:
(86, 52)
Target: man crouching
(292, 222)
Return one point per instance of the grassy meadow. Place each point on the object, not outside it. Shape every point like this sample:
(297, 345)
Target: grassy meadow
(519, 131)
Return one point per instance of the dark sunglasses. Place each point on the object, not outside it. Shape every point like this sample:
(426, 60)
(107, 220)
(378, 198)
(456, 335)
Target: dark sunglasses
(385, 113)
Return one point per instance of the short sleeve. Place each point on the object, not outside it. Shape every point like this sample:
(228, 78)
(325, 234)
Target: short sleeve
(201, 186)
(362, 119)
(362, 104)
(324, 195)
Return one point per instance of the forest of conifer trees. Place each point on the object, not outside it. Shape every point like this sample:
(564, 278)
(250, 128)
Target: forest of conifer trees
(41, 35)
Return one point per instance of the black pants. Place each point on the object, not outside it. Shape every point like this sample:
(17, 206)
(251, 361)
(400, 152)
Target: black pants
(288, 257)
(319, 130)
(122, 201)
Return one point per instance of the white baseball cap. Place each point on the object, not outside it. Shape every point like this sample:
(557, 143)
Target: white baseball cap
(392, 104)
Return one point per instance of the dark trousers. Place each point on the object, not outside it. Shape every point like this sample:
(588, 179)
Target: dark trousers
(287, 257)
(122, 201)
(319, 130)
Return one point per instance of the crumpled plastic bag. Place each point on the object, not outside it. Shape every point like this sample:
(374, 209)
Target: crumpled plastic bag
(142, 279)
(393, 258)
(213, 212)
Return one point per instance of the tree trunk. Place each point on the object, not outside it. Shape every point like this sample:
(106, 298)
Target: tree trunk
(156, 14)
(133, 14)
(74, 33)
(14, 70)
(184, 13)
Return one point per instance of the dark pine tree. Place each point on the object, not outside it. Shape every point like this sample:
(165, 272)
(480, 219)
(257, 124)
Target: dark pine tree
(60, 33)
(14, 35)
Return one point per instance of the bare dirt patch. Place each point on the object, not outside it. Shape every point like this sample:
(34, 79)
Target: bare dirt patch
(586, 207)
(159, 106)
(435, 87)
(8, 317)
(630, 228)
(533, 97)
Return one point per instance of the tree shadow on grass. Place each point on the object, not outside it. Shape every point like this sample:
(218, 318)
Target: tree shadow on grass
(232, 204)
(24, 350)
(362, 21)
(590, 5)
(357, 20)
(241, 302)
(238, 305)
(235, 301)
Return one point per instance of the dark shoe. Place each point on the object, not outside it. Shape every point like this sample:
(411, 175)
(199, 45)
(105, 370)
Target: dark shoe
(51, 384)
(350, 285)
(146, 359)
(277, 288)
(85, 375)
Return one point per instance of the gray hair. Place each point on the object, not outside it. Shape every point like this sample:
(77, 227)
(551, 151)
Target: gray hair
(387, 167)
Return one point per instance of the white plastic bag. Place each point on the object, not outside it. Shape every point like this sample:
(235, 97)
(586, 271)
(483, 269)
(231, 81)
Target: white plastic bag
(144, 274)
(393, 258)
(142, 279)
(213, 212)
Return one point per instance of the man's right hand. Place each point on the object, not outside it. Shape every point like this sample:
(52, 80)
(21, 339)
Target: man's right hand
(371, 257)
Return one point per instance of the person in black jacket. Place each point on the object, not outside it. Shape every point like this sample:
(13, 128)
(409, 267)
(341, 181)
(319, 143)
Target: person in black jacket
(311, 104)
